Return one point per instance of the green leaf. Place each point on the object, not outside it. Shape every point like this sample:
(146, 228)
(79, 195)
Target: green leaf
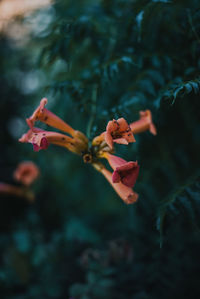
(186, 201)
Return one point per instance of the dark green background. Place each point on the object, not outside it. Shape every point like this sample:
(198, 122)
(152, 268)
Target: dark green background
(79, 239)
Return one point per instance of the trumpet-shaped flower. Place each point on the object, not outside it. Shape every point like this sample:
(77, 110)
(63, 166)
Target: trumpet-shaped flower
(124, 172)
(26, 173)
(116, 131)
(44, 115)
(126, 193)
(40, 139)
(144, 123)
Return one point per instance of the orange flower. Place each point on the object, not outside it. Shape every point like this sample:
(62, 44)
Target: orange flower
(116, 131)
(144, 123)
(49, 118)
(41, 139)
(26, 173)
(44, 115)
(99, 139)
(124, 172)
(126, 193)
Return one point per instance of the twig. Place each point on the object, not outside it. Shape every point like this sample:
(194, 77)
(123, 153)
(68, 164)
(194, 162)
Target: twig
(192, 26)
(93, 111)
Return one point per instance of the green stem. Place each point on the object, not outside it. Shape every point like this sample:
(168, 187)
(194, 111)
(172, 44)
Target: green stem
(93, 111)
(192, 26)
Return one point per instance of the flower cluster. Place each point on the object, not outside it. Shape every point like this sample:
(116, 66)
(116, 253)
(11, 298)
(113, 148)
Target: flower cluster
(124, 175)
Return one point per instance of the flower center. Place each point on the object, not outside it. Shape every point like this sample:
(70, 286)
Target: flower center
(116, 135)
(87, 158)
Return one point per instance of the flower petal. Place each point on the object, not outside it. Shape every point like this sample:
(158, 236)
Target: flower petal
(123, 125)
(36, 147)
(152, 129)
(116, 177)
(109, 139)
(126, 193)
(121, 141)
(125, 172)
(44, 143)
(118, 131)
(130, 177)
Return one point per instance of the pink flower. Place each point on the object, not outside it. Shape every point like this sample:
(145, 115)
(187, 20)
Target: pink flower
(44, 115)
(126, 193)
(26, 173)
(124, 172)
(118, 131)
(144, 123)
(40, 139)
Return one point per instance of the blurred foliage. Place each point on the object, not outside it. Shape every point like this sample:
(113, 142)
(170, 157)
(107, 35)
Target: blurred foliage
(79, 239)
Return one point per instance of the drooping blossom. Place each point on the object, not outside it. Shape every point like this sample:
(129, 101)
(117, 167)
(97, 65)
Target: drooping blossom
(126, 193)
(26, 173)
(40, 139)
(124, 172)
(17, 191)
(144, 123)
(44, 115)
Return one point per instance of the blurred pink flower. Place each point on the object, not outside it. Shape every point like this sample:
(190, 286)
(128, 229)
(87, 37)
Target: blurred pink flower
(26, 173)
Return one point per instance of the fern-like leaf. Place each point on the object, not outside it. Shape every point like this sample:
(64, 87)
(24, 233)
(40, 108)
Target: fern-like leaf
(185, 200)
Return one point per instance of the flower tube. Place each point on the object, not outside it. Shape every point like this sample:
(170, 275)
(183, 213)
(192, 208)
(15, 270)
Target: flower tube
(40, 139)
(44, 115)
(144, 123)
(126, 193)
